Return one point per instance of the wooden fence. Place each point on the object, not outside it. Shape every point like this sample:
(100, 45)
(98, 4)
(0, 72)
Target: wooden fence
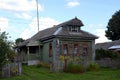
(112, 63)
(11, 69)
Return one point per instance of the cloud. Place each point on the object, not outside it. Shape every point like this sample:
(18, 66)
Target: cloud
(101, 34)
(98, 30)
(22, 5)
(45, 22)
(71, 4)
(3, 24)
(24, 16)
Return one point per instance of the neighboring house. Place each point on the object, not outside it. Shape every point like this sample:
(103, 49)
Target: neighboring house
(65, 39)
(114, 45)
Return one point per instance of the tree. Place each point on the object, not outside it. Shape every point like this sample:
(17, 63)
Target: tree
(18, 40)
(113, 27)
(6, 52)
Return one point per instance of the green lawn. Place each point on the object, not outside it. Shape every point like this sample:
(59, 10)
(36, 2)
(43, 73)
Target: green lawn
(34, 73)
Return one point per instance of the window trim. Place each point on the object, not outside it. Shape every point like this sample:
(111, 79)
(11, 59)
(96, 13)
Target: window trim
(74, 46)
(73, 29)
(50, 50)
(85, 49)
(63, 48)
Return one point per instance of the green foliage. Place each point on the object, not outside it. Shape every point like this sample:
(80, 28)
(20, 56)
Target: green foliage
(14, 71)
(41, 64)
(101, 53)
(93, 67)
(18, 40)
(74, 68)
(113, 27)
(6, 52)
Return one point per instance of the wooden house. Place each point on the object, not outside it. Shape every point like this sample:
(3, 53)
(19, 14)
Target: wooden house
(64, 42)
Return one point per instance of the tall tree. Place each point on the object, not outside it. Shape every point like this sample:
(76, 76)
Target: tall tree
(113, 27)
(6, 52)
(19, 40)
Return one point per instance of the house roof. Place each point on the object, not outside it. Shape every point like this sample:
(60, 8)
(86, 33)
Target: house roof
(24, 43)
(108, 45)
(114, 47)
(58, 31)
(74, 22)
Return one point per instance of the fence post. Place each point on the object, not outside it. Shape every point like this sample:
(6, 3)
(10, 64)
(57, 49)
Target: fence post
(19, 69)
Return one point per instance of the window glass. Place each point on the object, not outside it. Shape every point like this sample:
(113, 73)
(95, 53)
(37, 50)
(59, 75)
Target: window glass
(32, 50)
(74, 29)
(75, 48)
(85, 49)
(65, 49)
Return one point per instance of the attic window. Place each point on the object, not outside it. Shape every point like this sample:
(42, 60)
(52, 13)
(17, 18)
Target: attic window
(73, 29)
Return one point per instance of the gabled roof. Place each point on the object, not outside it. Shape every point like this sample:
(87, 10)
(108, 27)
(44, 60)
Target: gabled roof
(58, 31)
(108, 45)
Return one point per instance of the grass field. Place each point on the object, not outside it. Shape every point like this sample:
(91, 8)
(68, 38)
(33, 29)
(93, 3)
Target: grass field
(34, 73)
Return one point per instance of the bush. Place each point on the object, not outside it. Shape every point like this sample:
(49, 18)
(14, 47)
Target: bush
(74, 68)
(93, 67)
(101, 53)
(6, 49)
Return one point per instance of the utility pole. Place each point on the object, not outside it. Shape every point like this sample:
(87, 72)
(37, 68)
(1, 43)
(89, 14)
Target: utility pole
(37, 15)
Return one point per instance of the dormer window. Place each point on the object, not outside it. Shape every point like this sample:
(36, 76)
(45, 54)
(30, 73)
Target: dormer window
(73, 29)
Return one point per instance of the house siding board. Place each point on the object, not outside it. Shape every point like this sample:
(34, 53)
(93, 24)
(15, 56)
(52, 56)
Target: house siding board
(86, 59)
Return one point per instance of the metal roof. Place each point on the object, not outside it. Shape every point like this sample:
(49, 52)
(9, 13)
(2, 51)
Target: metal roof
(114, 47)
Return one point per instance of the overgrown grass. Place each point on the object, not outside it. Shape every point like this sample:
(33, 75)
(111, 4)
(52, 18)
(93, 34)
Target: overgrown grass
(35, 73)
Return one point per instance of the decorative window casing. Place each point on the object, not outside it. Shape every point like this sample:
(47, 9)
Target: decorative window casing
(76, 49)
(73, 29)
(50, 50)
(65, 49)
(85, 49)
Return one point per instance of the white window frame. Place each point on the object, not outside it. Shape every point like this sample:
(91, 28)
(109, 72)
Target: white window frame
(74, 29)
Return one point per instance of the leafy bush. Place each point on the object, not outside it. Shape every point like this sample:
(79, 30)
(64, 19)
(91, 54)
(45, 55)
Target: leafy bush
(6, 52)
(74, 68)
(93, 67)
(14, 71)
(101, 53)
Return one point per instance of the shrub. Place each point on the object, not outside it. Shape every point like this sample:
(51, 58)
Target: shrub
(74, 68)
(93, 67)
(101, 53)
(14, 71)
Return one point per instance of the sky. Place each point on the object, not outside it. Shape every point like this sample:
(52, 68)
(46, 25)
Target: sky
(18, 17)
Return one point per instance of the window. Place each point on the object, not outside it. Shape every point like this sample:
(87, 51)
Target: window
(85, 49)
(75, 48)
(74, 29)
(32, 50)
(65, 49)
(50, 50)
